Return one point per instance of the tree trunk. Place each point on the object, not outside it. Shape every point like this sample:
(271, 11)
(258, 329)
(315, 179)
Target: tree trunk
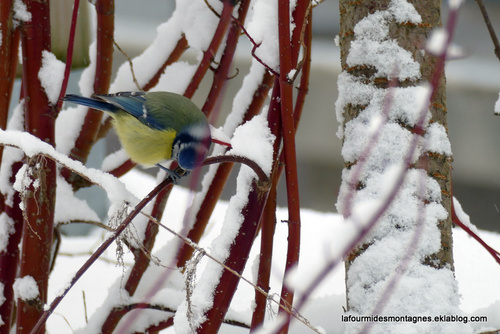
(404, 214)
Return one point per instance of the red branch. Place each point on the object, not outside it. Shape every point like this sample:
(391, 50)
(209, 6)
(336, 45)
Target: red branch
(176, 53)
(39, 205)
(268, 219)
(226, 287)
(222, 71)
(9, 260)
(142, 258)
(100, 250)
(223, 170)
(69, 53)
(240, 249)
(8, 61)
(269, 214)
(458, 222)
(491, 30)
(209, 54)
(288, 129)
(104, 61)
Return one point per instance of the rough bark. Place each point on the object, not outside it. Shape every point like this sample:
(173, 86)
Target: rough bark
(411, 37)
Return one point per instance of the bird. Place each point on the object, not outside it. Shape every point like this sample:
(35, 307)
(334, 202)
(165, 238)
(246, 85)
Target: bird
(155, 126)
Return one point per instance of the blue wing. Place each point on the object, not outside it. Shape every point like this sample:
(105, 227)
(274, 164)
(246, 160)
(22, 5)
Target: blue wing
(133, 103)
(91, 103)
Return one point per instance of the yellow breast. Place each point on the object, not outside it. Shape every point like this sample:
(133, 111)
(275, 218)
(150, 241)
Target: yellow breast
(144, 145)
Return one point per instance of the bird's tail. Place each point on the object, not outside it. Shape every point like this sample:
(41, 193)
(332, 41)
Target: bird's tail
(91, 102)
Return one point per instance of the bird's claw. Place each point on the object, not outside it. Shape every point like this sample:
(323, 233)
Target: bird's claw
(176, 174)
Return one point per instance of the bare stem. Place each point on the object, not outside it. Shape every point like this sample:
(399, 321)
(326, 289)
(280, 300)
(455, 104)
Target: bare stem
(492, 32)
(209, 54)
(69, 53)
(287, 60)
(263, 179)
(39, 116)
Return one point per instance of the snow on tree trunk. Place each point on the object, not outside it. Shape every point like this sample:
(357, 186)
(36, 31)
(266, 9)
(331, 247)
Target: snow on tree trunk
(397, 167)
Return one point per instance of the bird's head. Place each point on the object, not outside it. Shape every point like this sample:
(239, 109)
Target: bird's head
(191, 145)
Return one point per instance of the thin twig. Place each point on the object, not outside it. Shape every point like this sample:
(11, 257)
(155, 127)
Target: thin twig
(131, 64)
(220, 142)
(45, 315)
(458, 222)
(89, 222)
(69, 53)
(103, 259)
(211, 51)
(493, 35)
(201, 250)
(288, 61)
(263, 178)
(85, 307)
(254, 48)
(212, 9)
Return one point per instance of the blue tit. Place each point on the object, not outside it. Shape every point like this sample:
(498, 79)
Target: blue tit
(155, 126)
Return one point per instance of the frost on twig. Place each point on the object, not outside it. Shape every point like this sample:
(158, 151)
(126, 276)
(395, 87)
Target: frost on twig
(190, 281)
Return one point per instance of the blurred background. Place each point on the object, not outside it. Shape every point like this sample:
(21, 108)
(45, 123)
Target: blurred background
(473, 87)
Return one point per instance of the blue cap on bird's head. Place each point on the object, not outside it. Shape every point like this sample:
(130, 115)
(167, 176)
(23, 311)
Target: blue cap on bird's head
(191, 145)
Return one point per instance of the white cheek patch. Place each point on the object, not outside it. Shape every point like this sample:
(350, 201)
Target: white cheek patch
(199, 132)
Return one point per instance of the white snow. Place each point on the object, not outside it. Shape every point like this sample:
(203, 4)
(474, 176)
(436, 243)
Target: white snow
(258, 134)
(2, 296)
(436, 139)
(26, 288)
(404, 11)
(86, 83)
(51, 75)
(254, 141)
(262, 26)
(176, 78)
(462, 216)
(219, 134)
(385, 278)
(372, 45)
(202, 295)
(322, 232)
(197, 21)
(23, 179)
(497, 106)
(6, 229)
(70, 120)
(337, 40)
(240, 105)
(21, 13)
(436, 44)
(68, 126)
(455, 4)
(70, 208)
(114, 160)
(32, 146)
(11, 155)
(395, 279)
